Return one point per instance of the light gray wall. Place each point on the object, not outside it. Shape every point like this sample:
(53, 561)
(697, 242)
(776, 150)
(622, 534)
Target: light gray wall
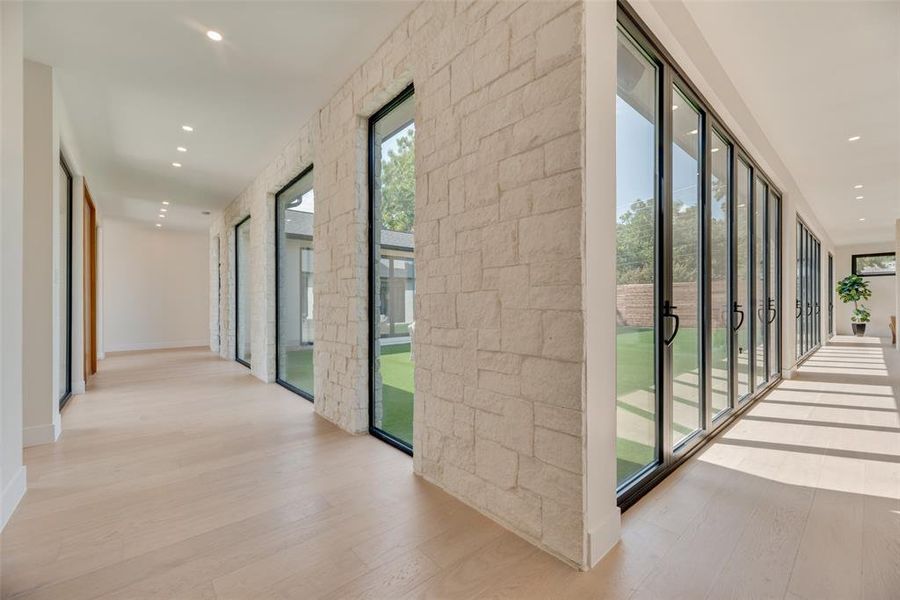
(883, 303)
(12, 471)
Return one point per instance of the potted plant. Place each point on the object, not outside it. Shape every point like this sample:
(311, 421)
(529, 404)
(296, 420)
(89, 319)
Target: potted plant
(854, 288)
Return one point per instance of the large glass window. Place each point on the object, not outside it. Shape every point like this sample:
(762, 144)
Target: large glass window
(686, 220)
(242, 291)
(392, 181)
(720, 190)
(636, 202)
(294, 216)
(64, 282)
(874, 265)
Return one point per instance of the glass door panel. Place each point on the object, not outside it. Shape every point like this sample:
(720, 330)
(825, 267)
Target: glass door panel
(759, 275)
(720, 190)
(637, 131)
(743, 309)
(773, 305)
(685, 255)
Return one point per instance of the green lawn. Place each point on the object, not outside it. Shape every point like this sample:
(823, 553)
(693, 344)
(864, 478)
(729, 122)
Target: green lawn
(397, 391)
(396, 379)
(299, 370)
(634, 374)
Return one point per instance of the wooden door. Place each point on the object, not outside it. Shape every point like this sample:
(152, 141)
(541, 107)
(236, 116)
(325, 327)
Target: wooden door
(90, 285)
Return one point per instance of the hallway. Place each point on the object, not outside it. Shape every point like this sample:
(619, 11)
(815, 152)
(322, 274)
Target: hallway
(179, 475)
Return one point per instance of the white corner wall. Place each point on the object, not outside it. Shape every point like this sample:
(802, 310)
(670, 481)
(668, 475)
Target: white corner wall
(883, 303)
(12, 471)
(155, 292)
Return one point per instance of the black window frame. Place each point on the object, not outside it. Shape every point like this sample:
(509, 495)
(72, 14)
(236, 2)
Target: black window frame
(237, 295)
(669, 73)
(66, 393)
(279, 224)
(853, 264)
(381, 434)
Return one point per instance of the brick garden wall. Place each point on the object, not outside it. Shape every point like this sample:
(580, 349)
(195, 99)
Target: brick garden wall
(499, 400)
(634, 303)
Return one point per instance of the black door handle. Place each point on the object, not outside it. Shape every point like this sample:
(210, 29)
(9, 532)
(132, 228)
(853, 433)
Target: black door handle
(808, 309)
(771, 308)
(759, 314)
(799, 310)
(667, 312)
(817, 308)
(737, 308)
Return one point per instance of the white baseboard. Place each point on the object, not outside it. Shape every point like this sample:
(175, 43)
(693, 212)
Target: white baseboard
(130, 347)
(40, 434)
(12, 495)
(604, 537)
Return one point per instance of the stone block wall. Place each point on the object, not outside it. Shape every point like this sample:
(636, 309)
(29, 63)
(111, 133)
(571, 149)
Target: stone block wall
(499, 401)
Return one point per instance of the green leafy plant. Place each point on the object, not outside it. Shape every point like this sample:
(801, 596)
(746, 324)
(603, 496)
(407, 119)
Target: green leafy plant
(854, 288)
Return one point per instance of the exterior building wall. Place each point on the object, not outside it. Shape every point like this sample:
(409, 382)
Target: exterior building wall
(499, 402)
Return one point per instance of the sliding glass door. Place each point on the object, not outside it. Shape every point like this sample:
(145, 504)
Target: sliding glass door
(685, 341)
(719, 241)
(744, 284)
(773, 285)
(809, 313)
(696, 264)
(242, 291)
(294, 275)
(392, 270)
(64, 283)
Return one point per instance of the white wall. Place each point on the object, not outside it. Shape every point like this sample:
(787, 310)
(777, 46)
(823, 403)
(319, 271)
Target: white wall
(41, 420)
(884, 292)
(155, 287)
(12, 472)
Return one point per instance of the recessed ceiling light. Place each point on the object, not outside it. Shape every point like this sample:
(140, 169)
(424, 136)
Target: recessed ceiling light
(164, 210)
(857, 186)
(187, 127)
(165, 202)
(159, 224)
(692, 132)
(674, 107)
(854, 138)
(715, 149)
(162, 216)
(176, 165)
(862, 218)
(181, 149)
(214, 35)
(860, 197)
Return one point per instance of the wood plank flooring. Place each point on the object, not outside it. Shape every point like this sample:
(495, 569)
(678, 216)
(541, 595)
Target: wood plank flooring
(180, 476)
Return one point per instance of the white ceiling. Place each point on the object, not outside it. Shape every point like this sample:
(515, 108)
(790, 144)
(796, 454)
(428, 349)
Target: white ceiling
(131, 73)
(815, 74)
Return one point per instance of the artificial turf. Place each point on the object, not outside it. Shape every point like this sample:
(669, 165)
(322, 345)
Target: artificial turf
(396, 380)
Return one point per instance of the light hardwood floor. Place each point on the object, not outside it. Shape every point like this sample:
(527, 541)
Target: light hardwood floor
(180, 476)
